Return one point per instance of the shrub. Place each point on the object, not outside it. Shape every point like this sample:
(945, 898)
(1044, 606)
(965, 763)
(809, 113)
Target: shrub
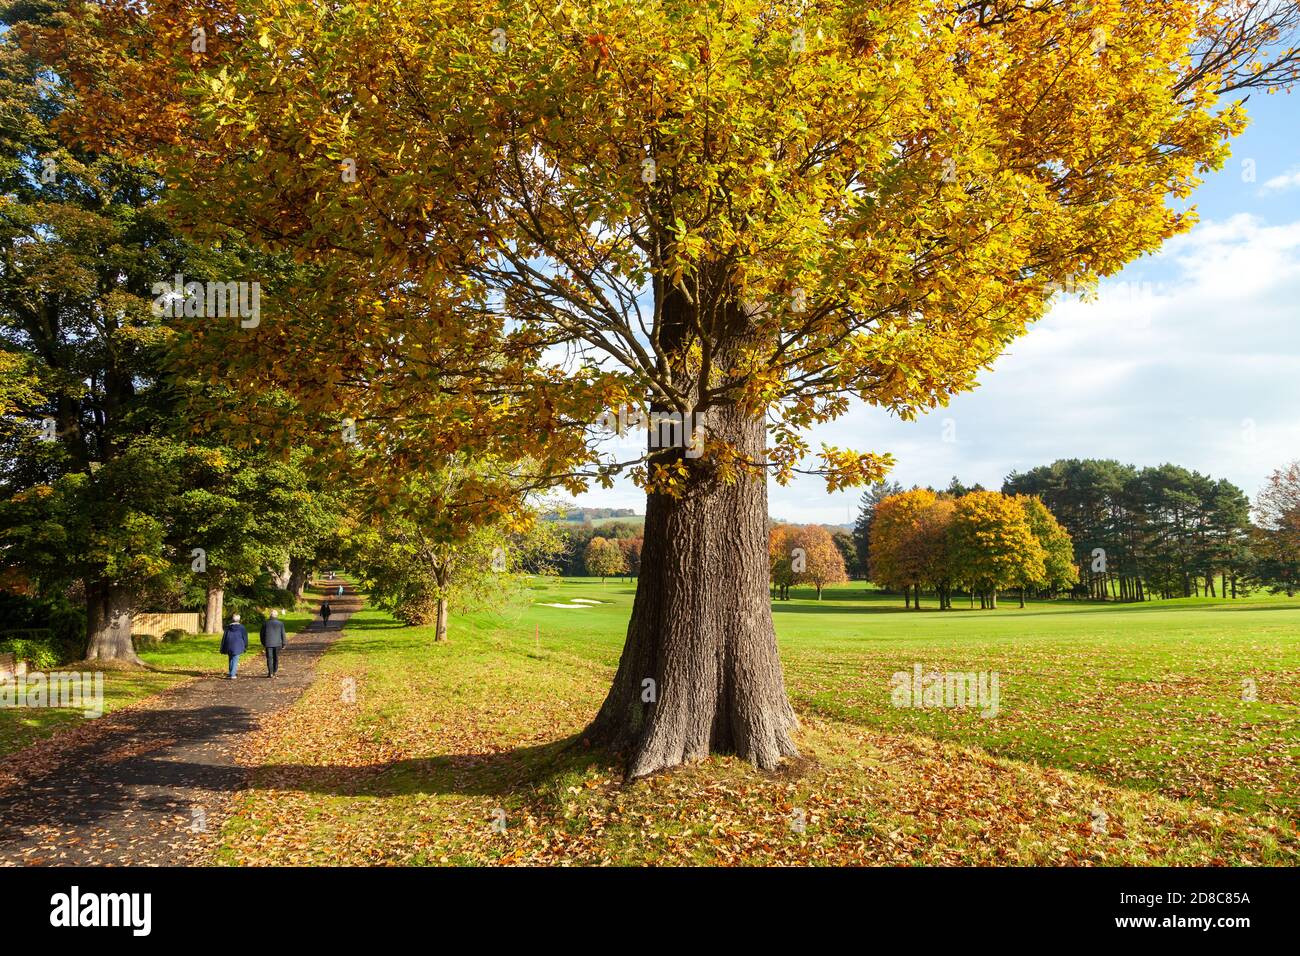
(418, 609)
(37, 652)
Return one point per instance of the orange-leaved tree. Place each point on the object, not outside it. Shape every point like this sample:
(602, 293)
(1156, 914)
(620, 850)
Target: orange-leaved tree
(741, 213)
(932, 538)
(898, 553)
(780, 557)
(816, 559)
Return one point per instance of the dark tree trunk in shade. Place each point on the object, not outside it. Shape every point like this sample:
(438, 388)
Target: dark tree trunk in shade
(299, 575)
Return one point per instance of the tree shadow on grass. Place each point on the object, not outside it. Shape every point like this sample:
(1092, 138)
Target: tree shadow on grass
(1099, 607)
(523, 771)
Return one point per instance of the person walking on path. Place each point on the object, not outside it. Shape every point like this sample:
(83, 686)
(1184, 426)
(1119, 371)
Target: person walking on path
(234, 641)
(325, 615)
(340, 590)
(272, 641)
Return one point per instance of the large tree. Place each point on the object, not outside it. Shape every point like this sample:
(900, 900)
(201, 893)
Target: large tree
(82, 240)
(992, 545)
(1058, 568)
(899, 550)
(739, 213)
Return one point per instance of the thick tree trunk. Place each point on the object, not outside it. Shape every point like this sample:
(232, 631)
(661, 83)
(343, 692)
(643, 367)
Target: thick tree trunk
(700, 671)
(216, 610)
(298, 575)
(281, 576)
(108, 623)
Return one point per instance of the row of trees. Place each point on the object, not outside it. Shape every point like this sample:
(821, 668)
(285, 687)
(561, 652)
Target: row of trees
(576, 558)
(1139, 534)
(116, 495)
(607, 557)
(1142, 533)
(981, 542)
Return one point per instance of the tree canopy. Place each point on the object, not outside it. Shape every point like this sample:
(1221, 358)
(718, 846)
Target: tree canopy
(818, 200)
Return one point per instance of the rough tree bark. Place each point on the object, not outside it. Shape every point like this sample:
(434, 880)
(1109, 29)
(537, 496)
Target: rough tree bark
(108, 622)
(700, 671)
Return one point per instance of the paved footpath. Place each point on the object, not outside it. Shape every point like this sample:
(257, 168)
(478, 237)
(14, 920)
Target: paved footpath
(151, 784)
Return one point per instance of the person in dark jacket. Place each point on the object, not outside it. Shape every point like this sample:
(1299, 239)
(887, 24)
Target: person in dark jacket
(234, 641)
(325, 615)
(272, 641)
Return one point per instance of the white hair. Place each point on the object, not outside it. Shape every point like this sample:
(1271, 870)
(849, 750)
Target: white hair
(234, 617)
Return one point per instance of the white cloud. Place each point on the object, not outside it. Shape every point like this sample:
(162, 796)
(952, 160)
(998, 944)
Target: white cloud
(1288, 180)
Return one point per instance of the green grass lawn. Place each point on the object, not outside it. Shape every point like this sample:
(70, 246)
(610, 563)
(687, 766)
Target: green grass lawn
(167, 665)
(406, 752)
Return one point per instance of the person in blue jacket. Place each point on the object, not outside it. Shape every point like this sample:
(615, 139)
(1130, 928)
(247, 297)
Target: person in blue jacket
(234, 641)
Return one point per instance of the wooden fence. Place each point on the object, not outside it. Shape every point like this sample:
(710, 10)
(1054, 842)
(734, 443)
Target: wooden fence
(156, 625)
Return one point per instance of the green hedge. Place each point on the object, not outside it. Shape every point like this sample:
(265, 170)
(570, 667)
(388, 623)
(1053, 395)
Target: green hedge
(30, 646)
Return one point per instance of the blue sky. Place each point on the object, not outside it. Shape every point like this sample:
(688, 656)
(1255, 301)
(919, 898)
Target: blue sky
(1191, 356)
